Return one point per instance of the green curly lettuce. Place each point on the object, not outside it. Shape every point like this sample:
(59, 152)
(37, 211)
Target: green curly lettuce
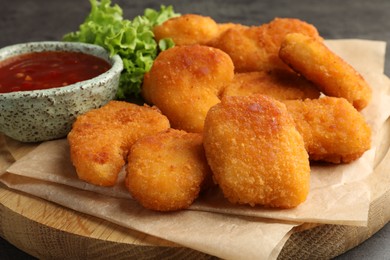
(132, 40)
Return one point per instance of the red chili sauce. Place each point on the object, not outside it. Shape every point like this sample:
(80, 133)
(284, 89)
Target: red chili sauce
(49, 69)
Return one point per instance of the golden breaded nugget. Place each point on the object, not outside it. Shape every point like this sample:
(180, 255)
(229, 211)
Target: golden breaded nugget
(165, 171)
(255, 48)
(185, 81)
(329, 72)
(187, 29)
(279, 84)
(332, 129)
(222, 27)
(255, 152)
(101, 138)
(242, 43)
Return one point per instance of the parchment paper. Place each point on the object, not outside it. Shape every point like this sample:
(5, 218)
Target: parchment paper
(339, 194)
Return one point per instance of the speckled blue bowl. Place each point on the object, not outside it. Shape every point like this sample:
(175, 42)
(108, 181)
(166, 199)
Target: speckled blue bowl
(40, 115)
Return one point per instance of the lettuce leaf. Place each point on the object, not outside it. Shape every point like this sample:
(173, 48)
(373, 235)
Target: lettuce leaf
(133, 40)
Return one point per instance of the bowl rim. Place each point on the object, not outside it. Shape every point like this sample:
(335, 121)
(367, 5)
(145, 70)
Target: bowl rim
(115, 61)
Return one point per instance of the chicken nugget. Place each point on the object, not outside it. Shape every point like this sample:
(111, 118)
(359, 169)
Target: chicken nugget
(185, 81)
(222, 27)
(279, 84)
(255, 152)
(165, 171)
(328, 71)
(255, 48)
(332, 129)
(101, 138)
(187, 29)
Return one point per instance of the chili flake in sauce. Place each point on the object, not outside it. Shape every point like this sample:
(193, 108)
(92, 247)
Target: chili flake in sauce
(48, 69)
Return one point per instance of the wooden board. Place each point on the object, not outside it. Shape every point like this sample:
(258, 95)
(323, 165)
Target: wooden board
(47, 230)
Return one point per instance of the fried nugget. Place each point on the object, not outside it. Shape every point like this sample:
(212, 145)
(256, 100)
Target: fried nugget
(329, 72)
(279, 84)
(185, 81)
(187, 29)
(165, 172)
(332, 129)
(222, 27)
(101, 138)
(255, 48)
(255, 152)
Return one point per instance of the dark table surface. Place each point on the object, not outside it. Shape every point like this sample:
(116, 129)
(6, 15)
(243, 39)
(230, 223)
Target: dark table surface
(37, 20)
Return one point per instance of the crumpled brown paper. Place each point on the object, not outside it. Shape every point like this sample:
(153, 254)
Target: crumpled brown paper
(339, 194)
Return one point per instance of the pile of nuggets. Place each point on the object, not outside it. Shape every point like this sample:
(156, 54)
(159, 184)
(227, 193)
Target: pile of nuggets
(244, 107)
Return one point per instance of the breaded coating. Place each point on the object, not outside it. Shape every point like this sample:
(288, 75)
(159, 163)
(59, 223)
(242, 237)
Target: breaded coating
(332, 129)
(101, 138)
(255, 48)
(187, 29)
(255, 152)
(328, 71)
(165, 171)
(185, 81)
(222, 27)
(279, 84)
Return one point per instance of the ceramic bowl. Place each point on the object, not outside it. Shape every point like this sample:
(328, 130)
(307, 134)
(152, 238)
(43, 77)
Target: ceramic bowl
(40, 115)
